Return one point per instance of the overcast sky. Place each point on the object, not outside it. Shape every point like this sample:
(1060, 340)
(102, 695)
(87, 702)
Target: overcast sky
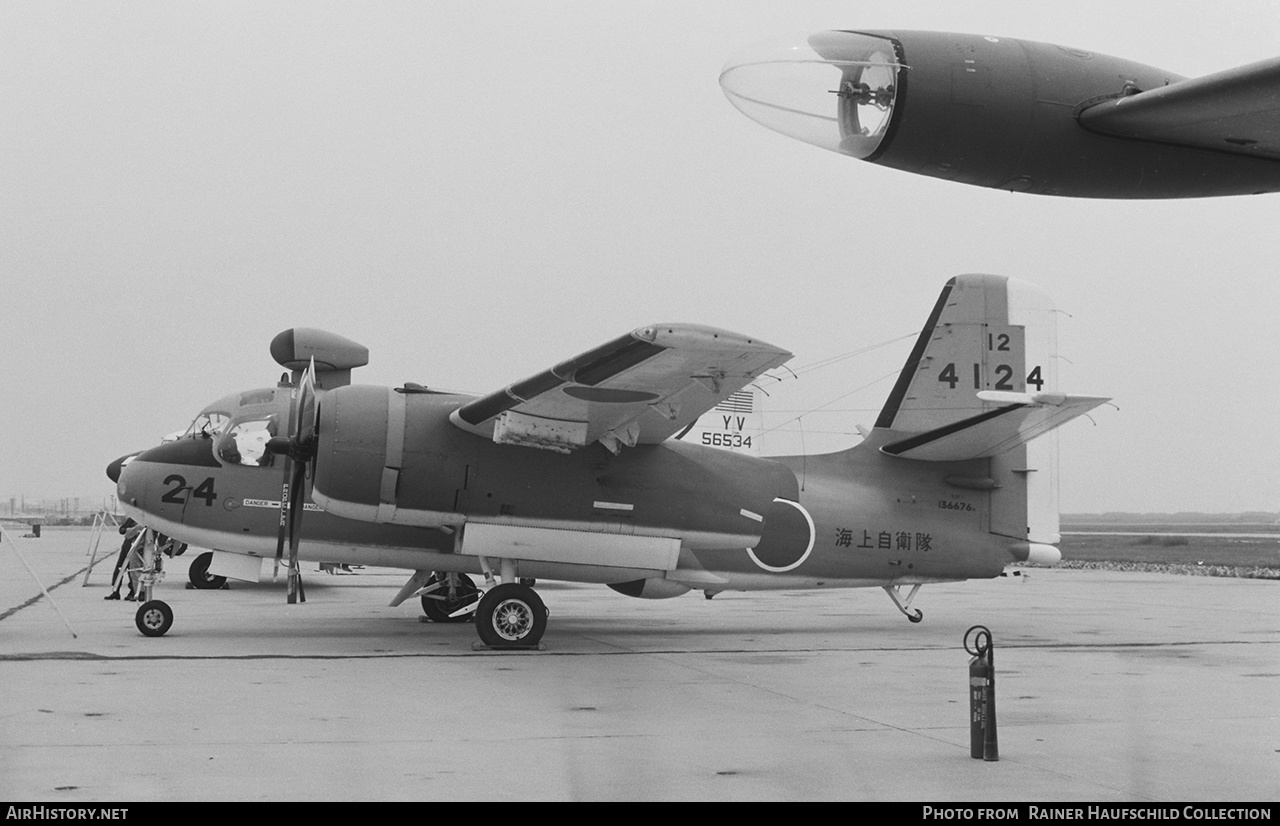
(477, 191)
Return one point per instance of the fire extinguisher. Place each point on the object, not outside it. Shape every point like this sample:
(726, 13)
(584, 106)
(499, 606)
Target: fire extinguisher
(982, 694)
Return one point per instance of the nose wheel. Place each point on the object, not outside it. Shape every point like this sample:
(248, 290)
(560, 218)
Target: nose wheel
(154, 618)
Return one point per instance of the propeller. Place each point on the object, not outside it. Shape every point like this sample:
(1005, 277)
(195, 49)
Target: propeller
(299, 450)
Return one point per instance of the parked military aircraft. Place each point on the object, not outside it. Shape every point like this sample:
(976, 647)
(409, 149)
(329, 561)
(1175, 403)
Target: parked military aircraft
(574, 473)
(1016, 114)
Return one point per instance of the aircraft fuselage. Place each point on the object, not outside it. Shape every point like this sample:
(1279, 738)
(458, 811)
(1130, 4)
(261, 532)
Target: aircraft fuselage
(428, 499)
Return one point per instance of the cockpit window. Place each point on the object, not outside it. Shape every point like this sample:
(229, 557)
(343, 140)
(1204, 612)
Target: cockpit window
(208, 424)
(257, 397)
(245, 441)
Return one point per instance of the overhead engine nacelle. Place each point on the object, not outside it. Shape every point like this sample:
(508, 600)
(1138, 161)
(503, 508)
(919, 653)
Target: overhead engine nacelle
(987, 111)
(651, 588)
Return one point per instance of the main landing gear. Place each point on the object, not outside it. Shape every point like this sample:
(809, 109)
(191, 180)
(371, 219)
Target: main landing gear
(198, 574)
(450, 598)
(509, 614)
(904, 605)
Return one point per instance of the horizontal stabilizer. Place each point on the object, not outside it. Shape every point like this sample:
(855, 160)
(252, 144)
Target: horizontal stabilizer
(1020, 418)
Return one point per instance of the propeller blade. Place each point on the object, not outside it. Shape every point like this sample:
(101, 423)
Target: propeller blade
(281, 534)
(298, 448)
(303, 432)
(304, 407)
(297, 486)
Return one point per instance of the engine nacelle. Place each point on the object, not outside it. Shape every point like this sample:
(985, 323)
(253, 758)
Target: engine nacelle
(651, 588)
(988, 111)
(379, 459)
(351, 451)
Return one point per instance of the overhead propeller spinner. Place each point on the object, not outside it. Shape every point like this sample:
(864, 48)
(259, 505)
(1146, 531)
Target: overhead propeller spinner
(299, 450)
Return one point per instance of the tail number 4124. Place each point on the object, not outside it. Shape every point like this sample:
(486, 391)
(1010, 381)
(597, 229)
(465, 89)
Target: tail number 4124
(1004, 377)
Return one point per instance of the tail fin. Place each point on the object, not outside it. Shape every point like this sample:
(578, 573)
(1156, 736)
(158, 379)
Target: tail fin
(986, 332)
(981, 383)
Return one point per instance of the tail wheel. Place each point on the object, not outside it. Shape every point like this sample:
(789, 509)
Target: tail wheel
(198, 574)
(440, 605)
(154, 618)
(511, 616)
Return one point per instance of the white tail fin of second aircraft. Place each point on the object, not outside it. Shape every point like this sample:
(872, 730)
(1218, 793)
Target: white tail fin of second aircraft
(981, 383)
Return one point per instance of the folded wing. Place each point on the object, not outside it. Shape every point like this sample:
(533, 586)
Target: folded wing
(640, 388)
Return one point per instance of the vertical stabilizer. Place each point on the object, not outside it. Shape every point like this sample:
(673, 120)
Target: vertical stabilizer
(991, 335)
(986, 332)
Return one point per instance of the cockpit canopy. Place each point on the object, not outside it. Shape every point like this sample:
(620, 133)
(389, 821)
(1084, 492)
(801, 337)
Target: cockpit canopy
(244, 442)
(241, 424)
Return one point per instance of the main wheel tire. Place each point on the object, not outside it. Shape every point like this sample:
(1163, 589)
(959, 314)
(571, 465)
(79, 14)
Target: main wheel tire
(199, 576)
(439, 610)
(511, 616)
(154, 618)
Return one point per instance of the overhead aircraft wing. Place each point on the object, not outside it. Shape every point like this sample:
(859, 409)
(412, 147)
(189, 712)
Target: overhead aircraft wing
(639, 388)
(1237, 110)
(1020, 418)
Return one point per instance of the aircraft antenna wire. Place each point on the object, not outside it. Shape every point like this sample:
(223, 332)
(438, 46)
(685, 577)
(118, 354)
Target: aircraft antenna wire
(804, 454)
(836, 359)
(828, 404)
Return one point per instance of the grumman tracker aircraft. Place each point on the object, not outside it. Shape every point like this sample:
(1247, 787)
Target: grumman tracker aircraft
(1016, 114)
(578, 473)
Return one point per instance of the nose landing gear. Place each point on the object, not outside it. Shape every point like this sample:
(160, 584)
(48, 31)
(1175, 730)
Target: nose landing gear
(154, 617)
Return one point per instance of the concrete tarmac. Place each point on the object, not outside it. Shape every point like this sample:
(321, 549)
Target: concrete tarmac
(1111, 687)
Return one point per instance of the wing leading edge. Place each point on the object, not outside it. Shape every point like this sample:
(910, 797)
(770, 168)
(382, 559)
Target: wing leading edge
(639, 388)
(1237, 110)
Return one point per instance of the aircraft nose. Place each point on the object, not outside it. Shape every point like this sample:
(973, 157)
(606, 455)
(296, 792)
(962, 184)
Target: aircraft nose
(832, 89)
(113, 469)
